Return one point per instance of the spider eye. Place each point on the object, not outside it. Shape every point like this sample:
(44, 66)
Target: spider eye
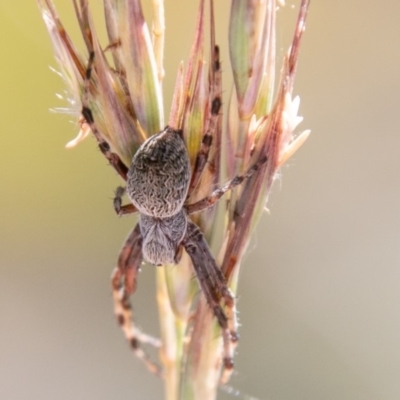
(158, 252)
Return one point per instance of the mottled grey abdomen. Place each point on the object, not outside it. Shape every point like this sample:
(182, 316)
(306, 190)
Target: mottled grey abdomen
(159, 176)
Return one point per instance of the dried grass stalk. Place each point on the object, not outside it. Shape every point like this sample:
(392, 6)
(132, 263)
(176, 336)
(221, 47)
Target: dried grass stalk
(125, 95)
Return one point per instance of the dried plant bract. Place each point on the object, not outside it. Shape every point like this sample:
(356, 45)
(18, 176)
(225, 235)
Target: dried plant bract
(172, 171)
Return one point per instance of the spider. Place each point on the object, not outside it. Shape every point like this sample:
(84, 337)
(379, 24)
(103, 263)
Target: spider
(159, 183)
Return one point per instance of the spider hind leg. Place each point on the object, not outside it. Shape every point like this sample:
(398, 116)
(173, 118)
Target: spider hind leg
(213, 121)
(117, 202)
(87, 114)
(218, 193)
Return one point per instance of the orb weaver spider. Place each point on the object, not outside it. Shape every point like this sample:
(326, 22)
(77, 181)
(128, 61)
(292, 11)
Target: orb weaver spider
(159, 183)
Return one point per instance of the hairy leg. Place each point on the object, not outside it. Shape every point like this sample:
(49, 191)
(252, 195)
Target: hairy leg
(218, 193)
(214, 114)
(215, 289)
(118, 207)
(123, 280)
(87, 114)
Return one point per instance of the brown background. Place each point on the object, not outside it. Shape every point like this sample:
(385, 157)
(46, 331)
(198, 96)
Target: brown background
(319, 295)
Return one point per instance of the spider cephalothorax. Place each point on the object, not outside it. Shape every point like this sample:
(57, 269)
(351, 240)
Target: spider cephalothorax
(162, 237)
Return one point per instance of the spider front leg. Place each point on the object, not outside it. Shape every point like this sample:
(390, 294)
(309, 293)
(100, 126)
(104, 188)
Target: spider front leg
(214, 287)
(218, 193)
(87, 114)
(123, 280)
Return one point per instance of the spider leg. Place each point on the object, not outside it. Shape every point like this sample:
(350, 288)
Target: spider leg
(117, 202)
(214, 286)
(123, 281)
(215, 107)
(87, 114)
(218, 193)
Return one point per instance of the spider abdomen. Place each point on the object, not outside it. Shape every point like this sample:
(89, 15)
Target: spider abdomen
(159, 176)
(161, 237)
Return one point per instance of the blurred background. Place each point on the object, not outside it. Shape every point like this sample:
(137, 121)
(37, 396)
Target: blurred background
(319, 294)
